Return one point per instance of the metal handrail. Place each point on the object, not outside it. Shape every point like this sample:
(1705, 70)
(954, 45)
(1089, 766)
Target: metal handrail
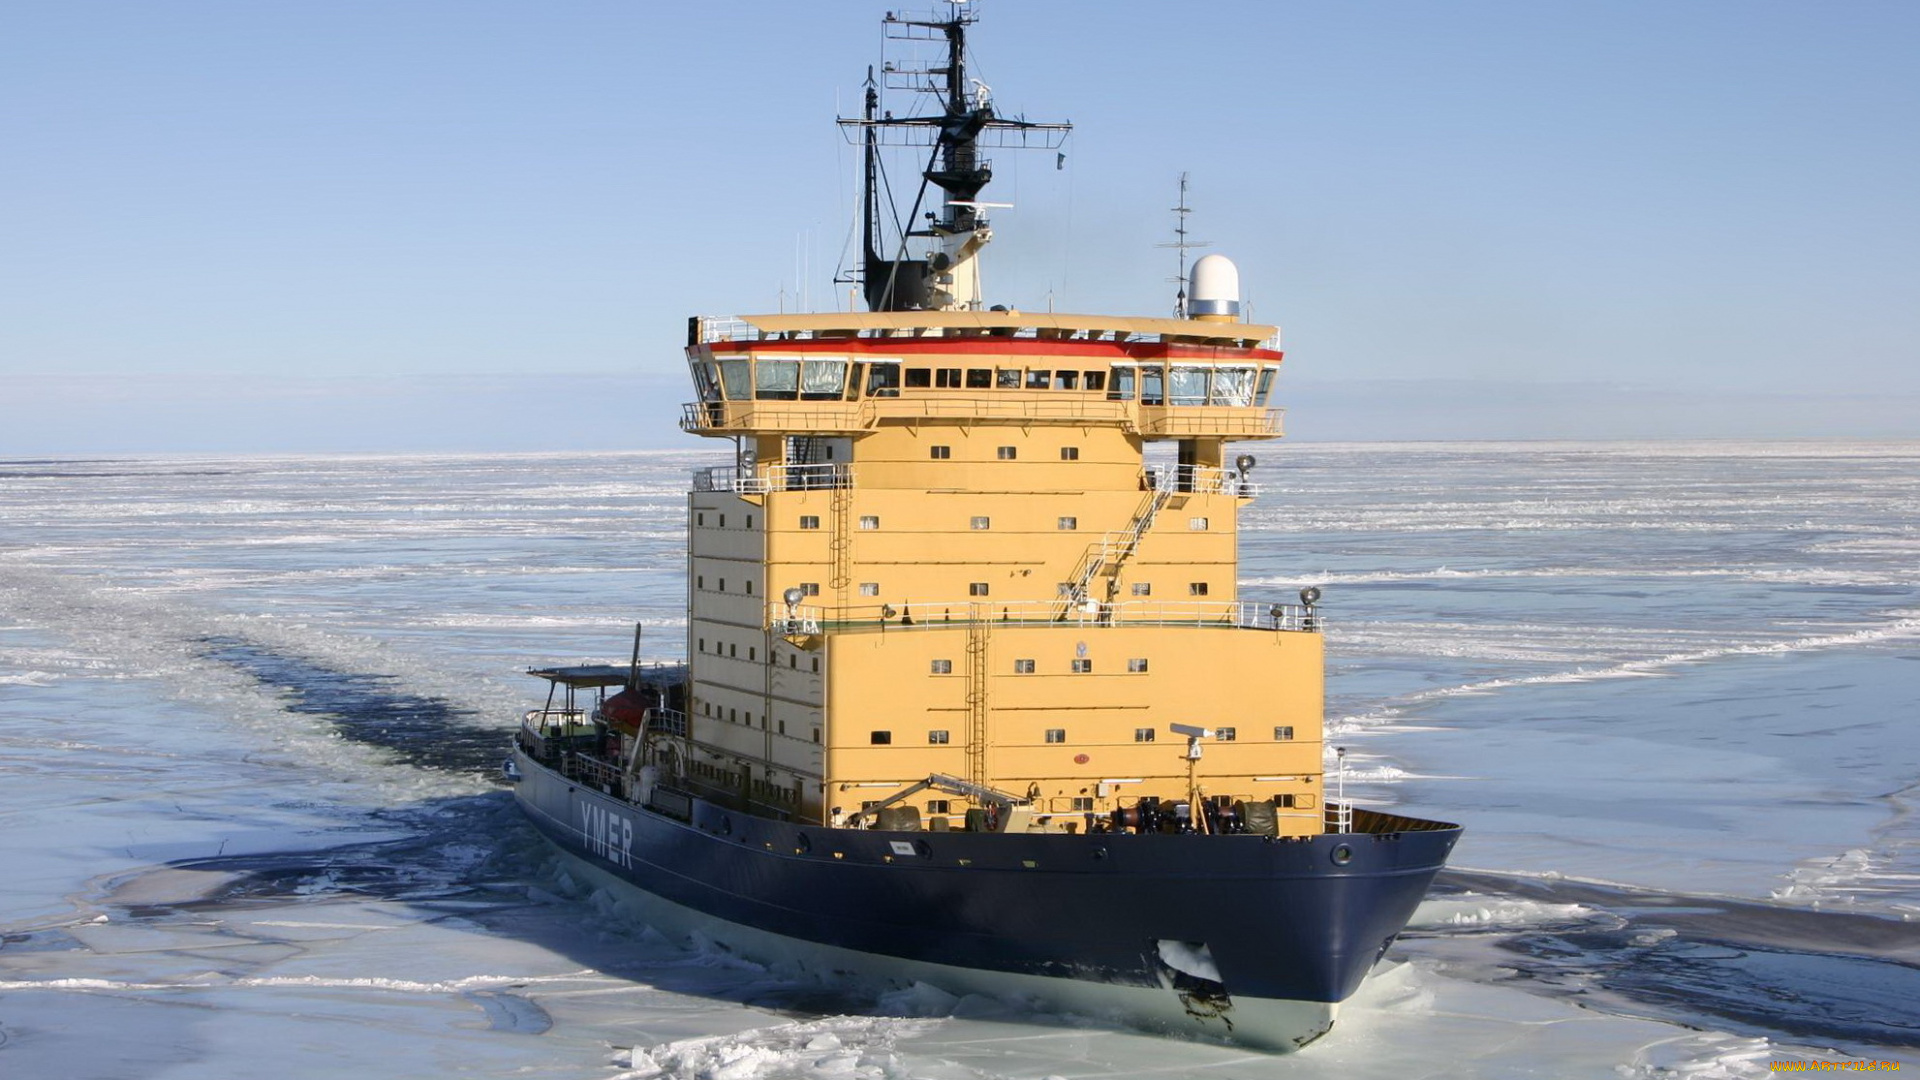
(772, 478)
(1201, 480)
(803, 619)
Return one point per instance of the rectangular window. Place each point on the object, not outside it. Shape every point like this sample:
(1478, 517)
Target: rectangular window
(1039, 380)
(1284, 802)
(869, 521)
(809, 588)
(723, 521)
(939, 453)
(1283, 734)
(1226, 734)
(700, 581)
(943, 667)
(1143, 588)
(1069, 453)
(749, 588)
(1096, 380)
(733, 651)
(1066, 380)
(919, 377)
(979, 378)
(753, 653)
(880, 738)
(1143, 734)
(980, 523)
(947, 378)
(1056, 734)
(1007, 453)
(700, 520)
(1196, 588)
(733, 716)
(939, 806)
(1069, 523)
(869, 588)
(1197, 524)
(1137, 664)
(1023, 667)
(1082, 802)
(977, 588)
(809, 521)
(1082, 667)
(936, 738)
(723, 584)
(749, 521)
(703, 644)
(1007, 378)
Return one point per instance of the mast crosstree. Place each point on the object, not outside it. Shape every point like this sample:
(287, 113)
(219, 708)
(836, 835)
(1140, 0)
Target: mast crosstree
(948, 277)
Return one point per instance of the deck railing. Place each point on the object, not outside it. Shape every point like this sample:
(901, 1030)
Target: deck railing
(1235, 614)
(772, 478)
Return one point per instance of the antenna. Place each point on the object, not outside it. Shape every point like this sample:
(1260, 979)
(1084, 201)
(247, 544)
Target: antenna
(1183, 245)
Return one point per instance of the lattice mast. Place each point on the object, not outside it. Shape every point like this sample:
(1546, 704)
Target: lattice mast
(948, 276)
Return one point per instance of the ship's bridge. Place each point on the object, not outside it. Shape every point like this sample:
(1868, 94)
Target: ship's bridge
(848, 373)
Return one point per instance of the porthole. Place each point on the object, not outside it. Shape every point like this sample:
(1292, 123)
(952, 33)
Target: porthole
(1341, 855)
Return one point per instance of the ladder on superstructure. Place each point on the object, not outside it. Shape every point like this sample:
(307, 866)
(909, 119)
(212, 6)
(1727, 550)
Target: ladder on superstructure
(979, 624)
(1113, 550)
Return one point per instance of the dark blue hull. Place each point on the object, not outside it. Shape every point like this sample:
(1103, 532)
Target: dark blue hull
(1286, 921)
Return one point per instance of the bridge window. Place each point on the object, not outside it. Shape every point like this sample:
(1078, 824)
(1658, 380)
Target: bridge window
(943, 667)
(823, 380)
(881, 738)
(1007, 378)
(1039, 380)
(1187, 386)
(1122, 386)
(1056, 734)
(939, 453)
(1143, 734)
(1096, 380)
(734, 376)
(1266, 387)
(1066, 380)
(776, 380)
(919, 377)
(936, 738)
(1153, 383)
(809, 521)
(883, 380)
(1232, 386)
(1023, 667)
(1283, 734)
(979, 378)
(948, 378)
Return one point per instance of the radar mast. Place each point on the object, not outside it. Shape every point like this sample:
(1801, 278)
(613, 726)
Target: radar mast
(947, 277)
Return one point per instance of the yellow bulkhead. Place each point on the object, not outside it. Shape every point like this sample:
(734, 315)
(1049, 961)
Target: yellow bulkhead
(990, 585)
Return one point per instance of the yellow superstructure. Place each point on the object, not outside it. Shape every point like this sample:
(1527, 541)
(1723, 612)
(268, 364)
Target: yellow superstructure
(941, 553)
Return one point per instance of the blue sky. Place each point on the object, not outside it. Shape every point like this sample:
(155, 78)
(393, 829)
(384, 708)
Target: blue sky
(330, 224)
